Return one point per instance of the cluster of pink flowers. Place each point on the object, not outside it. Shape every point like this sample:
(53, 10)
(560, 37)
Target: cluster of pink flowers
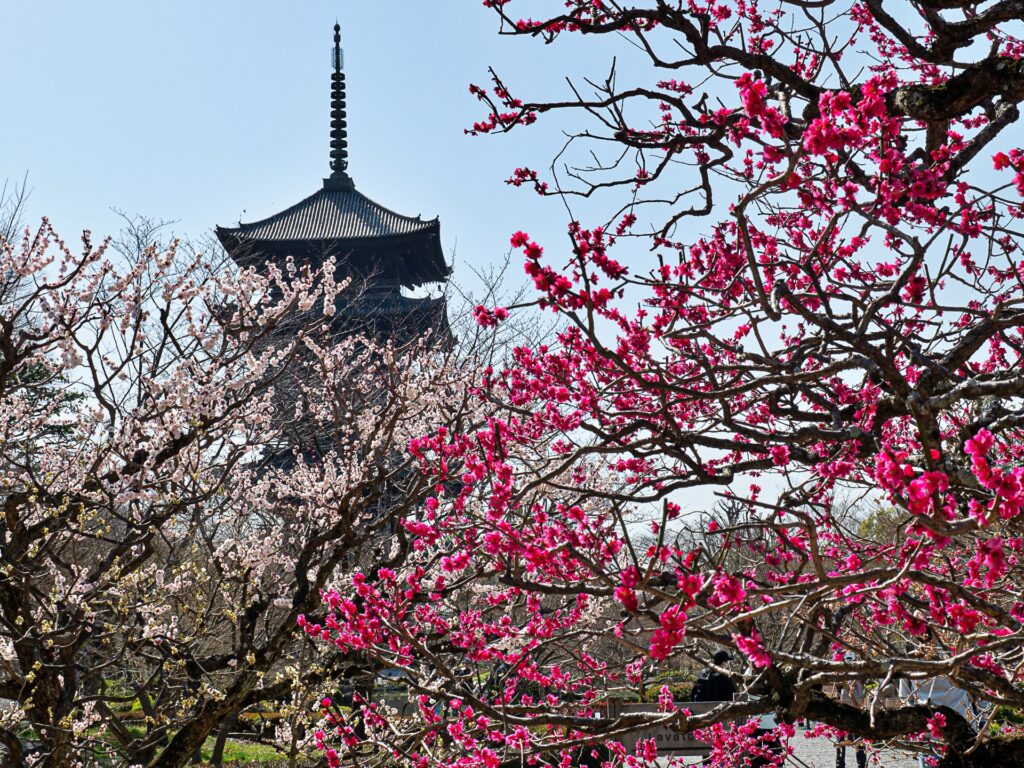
(798, 351)
(488, 318)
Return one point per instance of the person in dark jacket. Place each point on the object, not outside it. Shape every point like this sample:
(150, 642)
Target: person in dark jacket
(713, 685)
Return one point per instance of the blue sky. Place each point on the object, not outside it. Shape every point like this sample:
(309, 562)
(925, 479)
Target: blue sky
(205, 113)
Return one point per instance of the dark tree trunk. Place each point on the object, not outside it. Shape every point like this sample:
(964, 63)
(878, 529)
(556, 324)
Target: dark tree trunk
(217, 758)
(1006, 751)
(15, 755)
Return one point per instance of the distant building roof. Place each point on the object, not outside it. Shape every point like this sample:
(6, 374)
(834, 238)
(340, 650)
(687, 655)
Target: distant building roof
(332, 214)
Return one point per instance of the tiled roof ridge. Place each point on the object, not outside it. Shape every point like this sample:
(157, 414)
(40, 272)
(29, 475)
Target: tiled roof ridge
(328, 224)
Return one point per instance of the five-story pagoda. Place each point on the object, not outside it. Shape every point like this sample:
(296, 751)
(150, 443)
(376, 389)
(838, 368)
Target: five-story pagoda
(379, 251)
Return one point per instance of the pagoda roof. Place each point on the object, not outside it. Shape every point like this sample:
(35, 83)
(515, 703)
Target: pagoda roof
(331, 214)
(337, 221)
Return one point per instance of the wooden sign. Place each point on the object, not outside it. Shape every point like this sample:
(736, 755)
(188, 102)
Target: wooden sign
(670, 742)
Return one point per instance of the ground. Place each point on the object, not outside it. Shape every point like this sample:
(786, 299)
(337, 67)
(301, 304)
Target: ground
(820, 753)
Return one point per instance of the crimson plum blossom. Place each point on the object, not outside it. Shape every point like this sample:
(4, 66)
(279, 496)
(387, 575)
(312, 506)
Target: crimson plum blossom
(781, 414)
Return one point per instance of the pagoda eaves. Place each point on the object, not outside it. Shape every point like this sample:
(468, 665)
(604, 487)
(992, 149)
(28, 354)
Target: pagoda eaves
(358, 232)
(365, 239)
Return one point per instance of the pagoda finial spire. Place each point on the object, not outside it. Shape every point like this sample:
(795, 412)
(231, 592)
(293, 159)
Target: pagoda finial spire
(339, 126)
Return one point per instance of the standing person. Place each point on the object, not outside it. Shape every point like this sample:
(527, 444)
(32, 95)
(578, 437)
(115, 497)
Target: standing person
(859, 751)
(713, 685)
(853, 694)
(912, 692)
(769, 749)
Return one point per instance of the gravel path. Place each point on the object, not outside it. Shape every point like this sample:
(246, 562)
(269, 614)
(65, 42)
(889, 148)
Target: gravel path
(820, 753)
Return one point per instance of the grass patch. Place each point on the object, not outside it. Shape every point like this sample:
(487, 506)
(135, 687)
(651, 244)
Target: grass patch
(242, 752)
